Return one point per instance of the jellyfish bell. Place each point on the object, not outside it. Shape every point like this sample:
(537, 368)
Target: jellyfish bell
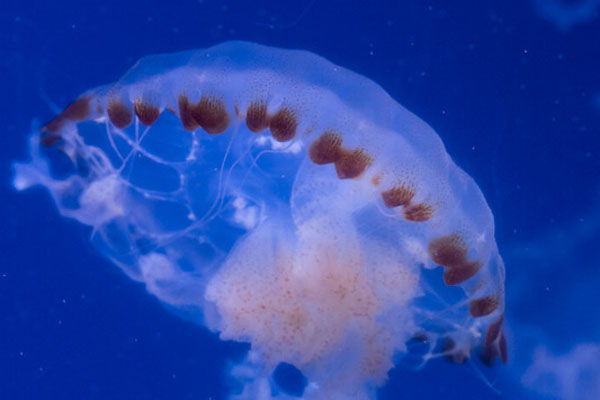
(285, 202)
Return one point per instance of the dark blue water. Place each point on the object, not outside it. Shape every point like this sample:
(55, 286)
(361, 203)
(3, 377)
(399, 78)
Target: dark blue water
(514, 94)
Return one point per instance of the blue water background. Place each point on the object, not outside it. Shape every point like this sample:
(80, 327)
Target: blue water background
(514, 96)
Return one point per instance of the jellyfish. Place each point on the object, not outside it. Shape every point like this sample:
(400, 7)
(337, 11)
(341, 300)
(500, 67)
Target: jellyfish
(286, 202)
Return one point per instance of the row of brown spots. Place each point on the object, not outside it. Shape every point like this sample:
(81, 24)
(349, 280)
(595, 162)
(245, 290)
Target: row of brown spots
(397, 196)
(257, 119)
(119, 114)
(494, 344)
(283, 125)
(402, 195)
(376, 179)
(78, 110)
(352, 163)
(326, 148)
(489, 353)
(493, 331)
(349, 163)
(483, 306)
(209, 113)
(459, 274)
(450, 251)
(418, 212)
(146, 113)
(185, 113)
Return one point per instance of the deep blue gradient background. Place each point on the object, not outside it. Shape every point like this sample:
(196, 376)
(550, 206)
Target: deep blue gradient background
(515, 99)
